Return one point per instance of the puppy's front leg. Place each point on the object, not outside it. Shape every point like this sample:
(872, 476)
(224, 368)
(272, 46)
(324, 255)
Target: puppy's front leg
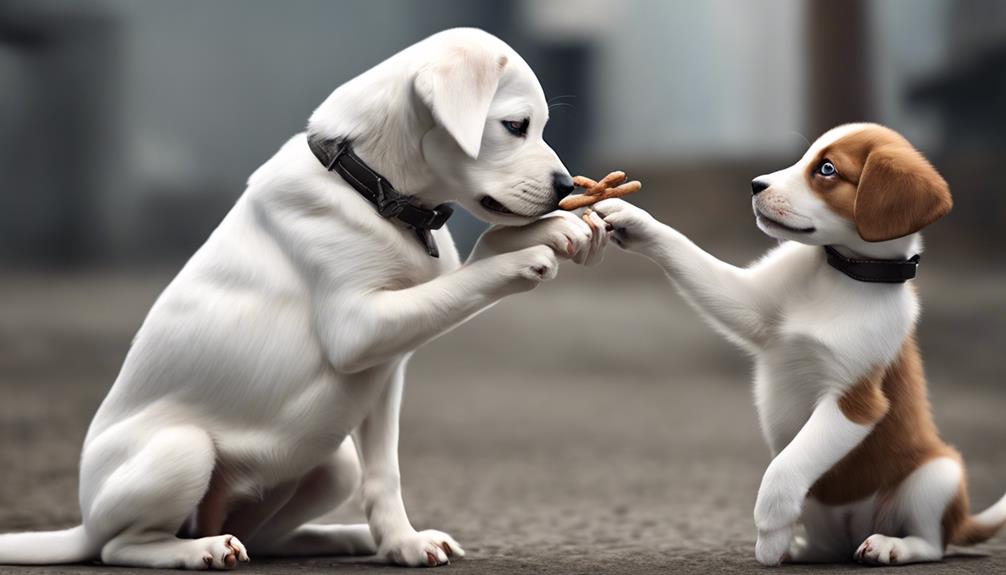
(727, 295)
(827, 437)
(396, 539)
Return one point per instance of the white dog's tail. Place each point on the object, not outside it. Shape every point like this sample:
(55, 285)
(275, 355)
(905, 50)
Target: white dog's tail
(977, 528)
(47, 547)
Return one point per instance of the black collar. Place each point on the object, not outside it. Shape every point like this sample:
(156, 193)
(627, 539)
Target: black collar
(337, 156)
(877, 271)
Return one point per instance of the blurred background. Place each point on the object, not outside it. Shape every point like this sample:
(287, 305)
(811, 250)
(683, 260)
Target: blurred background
(593, 422)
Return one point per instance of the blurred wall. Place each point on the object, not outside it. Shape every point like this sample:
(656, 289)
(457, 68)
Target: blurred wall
(128, 127)
(679, 80)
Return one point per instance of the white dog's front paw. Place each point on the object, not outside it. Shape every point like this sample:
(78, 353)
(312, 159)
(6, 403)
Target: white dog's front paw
(565, 233)
(531, 266)
(772, 546)
(882, 550)
(428, 548)
(633, 228)
(221, 552)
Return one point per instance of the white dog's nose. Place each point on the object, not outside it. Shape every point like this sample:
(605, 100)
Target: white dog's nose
(562, 183)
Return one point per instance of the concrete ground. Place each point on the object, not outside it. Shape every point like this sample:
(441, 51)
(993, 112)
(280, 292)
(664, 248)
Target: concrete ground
(591, 426)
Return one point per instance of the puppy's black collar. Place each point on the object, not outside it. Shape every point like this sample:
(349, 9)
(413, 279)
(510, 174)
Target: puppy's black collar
(875, 271)
(338, 156)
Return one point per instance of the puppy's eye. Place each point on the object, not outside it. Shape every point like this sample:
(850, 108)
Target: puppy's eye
(517, 127)
(827, 169)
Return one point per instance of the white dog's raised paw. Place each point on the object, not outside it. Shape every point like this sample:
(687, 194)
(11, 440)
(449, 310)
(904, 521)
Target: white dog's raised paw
(536, 264)
(428, 548)
(222, 552)
(882, 550)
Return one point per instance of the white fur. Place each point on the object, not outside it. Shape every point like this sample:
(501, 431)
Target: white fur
(279, 351)
(813, 333)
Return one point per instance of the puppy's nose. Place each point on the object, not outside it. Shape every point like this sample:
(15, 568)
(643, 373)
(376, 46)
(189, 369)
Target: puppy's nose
(758, 186)
(562, 184)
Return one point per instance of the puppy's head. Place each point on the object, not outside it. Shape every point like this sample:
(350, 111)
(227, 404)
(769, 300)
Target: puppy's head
(856, 183)
(488, 112)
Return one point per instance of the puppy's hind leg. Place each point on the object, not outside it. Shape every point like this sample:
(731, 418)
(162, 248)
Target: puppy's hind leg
(142, 504)
(920, 504)
(323, 489)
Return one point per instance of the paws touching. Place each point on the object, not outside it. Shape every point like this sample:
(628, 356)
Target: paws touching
(633, 228)
(428, 548)
(567, 235)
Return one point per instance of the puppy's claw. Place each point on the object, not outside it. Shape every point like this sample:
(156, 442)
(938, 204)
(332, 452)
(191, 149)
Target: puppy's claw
(431, 559)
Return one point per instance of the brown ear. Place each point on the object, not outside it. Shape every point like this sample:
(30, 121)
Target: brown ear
(899, 193)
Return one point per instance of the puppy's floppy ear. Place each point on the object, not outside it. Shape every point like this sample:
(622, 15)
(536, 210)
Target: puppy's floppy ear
(458, 87)
(899, 193)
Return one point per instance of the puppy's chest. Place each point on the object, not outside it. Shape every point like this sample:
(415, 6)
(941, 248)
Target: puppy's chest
(787, 383)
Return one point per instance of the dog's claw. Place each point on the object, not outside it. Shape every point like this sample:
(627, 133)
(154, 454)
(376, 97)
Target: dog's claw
(431, 559)
(447, 549)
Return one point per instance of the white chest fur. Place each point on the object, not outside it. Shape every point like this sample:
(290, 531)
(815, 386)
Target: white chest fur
(825, 332)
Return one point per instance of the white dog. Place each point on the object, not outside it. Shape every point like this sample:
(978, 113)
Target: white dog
(286, 336)
(838, 379)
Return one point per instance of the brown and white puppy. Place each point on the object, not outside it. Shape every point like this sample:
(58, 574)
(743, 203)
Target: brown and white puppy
(839, 385)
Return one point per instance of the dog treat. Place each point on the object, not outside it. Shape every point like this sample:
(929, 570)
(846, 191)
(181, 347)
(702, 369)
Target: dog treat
(611, 186)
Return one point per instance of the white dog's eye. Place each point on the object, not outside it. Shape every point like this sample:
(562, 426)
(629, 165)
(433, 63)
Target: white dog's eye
(826, 169)
(517, 127)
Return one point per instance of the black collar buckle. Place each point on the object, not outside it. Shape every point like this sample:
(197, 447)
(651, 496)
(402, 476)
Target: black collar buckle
(387, 205)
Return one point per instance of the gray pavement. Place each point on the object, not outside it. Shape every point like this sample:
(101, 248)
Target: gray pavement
(590, 426)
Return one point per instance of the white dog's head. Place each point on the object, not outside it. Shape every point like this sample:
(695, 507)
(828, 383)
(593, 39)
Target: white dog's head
(458, 116)
(857, 184)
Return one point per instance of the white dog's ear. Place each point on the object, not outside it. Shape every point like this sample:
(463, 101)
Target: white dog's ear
(458, 88)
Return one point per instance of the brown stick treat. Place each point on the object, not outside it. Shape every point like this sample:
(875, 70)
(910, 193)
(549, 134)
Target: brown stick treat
(583, 182)
(611, 180)
(624, 190)
(584, 200)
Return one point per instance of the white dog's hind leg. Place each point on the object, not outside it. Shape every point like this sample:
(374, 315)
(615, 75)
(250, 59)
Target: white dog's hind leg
(144, 502)
(921, 502)
(323, 489)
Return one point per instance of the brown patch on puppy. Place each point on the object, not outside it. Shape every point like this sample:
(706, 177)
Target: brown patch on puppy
(865, 402)
(959, 527)
(883, 184)
(904, 438)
